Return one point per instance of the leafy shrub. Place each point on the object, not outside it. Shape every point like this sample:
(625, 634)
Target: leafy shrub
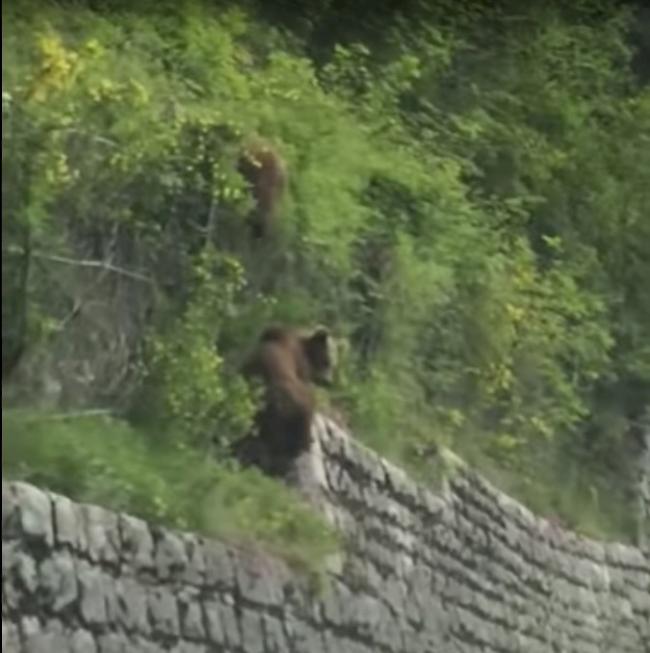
(466, 204)
(186, 385)
(97, 459)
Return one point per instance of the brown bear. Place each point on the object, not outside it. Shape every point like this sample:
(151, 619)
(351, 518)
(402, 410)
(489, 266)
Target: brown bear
(264, 169)
(286, 362)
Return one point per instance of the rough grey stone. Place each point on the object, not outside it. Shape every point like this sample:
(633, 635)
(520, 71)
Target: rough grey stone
(10, 524)
(114, 643)
(305, 637)
(252, 632)
(395, 593)
(141, 645)
(463, 571)
(10, 642)
(46, 639)
(230, 625)
(137, 543)
(389, 633)
(113, 612)
(189, 647)
(335, 562)
(191, 616)
(82, 642)
(67, 522)
(101, 529)
(58, 581)
(93, 596)
(163, 609)
(219, 568)
(195, 569)
(274, 637)
(132, 606)
(170, 555)
(19, 573)
(258, 586)
(29, 626)
(332, 604)
(214, 627)
(364, 613)
(29, 513)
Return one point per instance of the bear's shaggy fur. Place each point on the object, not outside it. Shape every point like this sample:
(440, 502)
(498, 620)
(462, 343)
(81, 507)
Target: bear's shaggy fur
(286, 362)
(264, 169)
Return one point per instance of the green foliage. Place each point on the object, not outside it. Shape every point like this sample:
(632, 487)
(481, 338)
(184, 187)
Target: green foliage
(104, 461)
(249, 507)
(101, 460)
(466, 204)
(190, 390)
(568, 487)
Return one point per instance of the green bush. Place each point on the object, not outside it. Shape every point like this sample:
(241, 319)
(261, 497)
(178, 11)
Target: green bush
(466, 203)
(97, 459)
(104, 461)
(186, 388)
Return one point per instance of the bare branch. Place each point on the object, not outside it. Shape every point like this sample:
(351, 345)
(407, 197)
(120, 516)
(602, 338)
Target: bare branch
(80, 301)
(95, 137)
(84, 263)
(212, 221)
(94, 412)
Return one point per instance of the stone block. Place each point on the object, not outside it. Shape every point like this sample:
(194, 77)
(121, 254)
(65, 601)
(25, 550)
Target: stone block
(191, 615)
(137, 544)
(82, 642)
(26, 513)
(132, 606)
(163, 609)
(68, 524)
(92, 587)
(170, 555)
(58, 582)
(101, 530)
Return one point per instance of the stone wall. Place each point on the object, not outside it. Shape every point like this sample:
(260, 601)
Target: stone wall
(465, 571)
(643, 491)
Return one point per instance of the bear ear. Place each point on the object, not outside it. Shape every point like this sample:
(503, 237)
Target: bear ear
(320, 334)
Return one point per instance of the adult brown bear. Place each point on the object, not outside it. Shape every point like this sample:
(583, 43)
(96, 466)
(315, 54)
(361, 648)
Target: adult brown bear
(287, 362)
(264, 169)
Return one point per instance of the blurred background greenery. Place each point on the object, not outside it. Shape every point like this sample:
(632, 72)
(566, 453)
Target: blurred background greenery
(467, 206)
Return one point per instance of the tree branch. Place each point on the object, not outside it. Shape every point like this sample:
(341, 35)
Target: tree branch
(84, 263)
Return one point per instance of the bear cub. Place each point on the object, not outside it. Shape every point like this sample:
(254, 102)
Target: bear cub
(287, 362)
(264, 169)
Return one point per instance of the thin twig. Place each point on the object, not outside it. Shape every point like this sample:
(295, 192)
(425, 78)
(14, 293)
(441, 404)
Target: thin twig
(212, 222)
(81, 300)
(95, 412)
(94, 137)
(85, 263)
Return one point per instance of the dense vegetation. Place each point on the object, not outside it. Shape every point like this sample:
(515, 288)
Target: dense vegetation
(467, 207)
